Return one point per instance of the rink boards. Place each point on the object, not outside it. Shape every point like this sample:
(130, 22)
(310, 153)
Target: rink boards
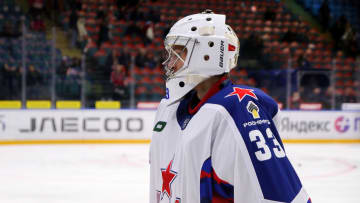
(135, 126)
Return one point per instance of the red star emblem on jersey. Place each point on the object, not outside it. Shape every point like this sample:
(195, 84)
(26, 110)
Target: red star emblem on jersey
(168, 177)
(242, 92)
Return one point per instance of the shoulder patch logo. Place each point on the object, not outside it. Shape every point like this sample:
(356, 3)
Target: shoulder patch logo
(253, 109)
(241, 93)
(159, 126)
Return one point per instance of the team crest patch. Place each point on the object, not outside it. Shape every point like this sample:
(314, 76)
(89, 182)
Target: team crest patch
(241, 93)
(253, 109)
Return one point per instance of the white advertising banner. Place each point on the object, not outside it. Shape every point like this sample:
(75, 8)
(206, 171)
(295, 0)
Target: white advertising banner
(340, 125)
(75, 124)
(138, 125)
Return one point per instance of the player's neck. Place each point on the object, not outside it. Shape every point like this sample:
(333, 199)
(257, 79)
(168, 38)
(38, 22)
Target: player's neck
(204, 87)
(207, 89)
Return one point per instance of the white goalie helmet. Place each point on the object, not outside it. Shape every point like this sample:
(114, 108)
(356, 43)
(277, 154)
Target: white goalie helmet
(211, 47)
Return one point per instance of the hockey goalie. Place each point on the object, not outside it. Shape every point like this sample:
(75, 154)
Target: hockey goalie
(214, 141)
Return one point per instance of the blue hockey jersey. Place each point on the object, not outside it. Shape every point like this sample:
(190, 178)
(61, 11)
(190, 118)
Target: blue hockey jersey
(228, 151)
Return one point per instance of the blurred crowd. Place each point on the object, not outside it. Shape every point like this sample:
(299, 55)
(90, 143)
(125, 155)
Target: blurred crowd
(118, 37)
(346, 38)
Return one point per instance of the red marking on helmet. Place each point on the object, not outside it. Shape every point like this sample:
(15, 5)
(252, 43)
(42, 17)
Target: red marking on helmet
(231, 47)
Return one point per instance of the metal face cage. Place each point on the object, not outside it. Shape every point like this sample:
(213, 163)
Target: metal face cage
(174, 48)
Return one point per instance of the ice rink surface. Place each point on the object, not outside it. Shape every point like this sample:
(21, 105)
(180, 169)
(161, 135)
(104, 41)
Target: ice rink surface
(120, 173)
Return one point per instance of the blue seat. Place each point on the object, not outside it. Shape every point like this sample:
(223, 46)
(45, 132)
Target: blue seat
(315, 8)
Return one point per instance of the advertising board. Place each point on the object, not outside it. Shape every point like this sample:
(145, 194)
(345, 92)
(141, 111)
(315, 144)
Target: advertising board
(114, 126)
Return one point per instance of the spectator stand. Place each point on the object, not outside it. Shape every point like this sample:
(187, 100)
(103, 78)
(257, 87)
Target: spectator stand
(134, 38)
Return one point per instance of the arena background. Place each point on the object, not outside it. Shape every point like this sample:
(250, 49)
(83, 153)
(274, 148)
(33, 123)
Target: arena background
(89, 72)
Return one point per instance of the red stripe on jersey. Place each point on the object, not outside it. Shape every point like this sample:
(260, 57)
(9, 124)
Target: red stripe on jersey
(218, 199)
(217, 179)
(204, 174)
(213, 175)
